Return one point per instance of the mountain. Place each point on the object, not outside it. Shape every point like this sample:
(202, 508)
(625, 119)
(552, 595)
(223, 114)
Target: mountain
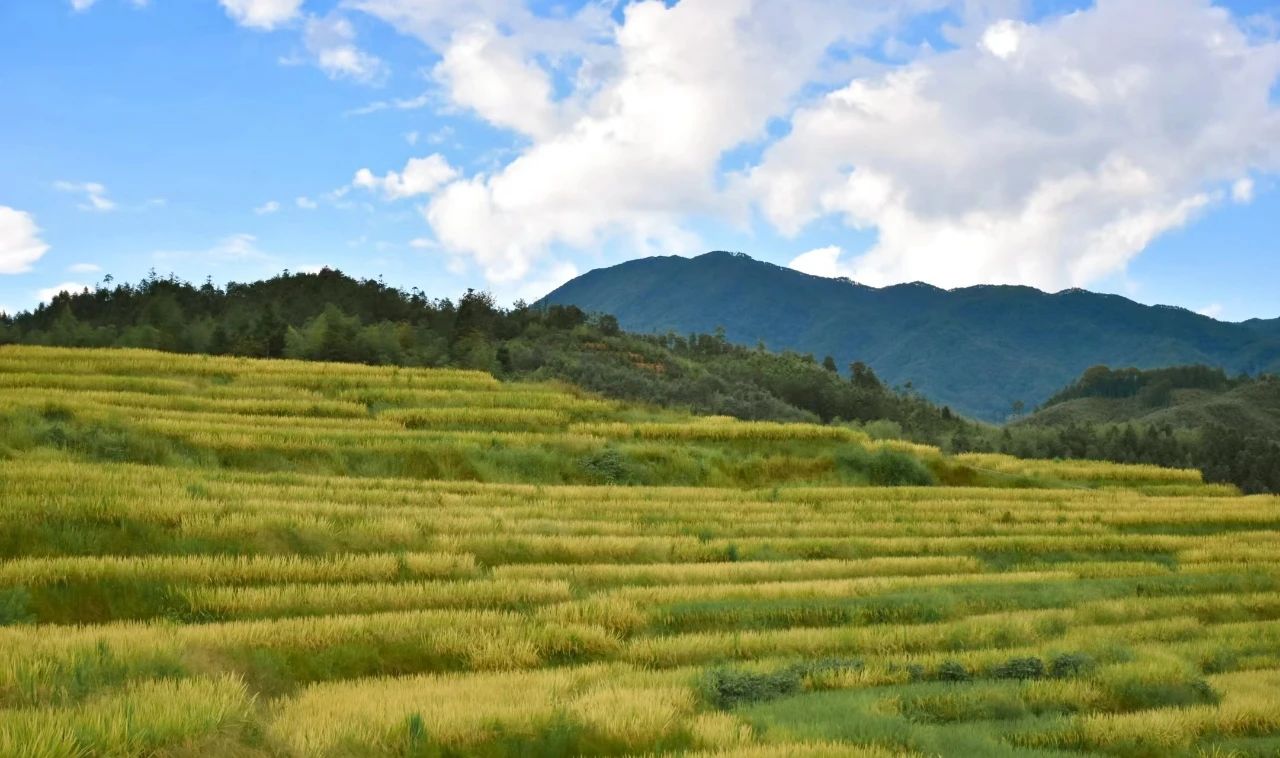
(976, 349)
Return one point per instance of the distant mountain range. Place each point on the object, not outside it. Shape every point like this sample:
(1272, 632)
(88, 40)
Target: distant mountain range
(977, 349)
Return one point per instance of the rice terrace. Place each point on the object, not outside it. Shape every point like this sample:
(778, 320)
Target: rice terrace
(225, 556)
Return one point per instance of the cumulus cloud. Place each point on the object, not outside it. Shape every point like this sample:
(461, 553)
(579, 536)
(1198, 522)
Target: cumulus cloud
(262, 14)
(306, 203)
(485, 72)
(20, 243)
(421, 176)
(95, 195)
(267, 208)
(1046, 152)
(331, 43)
(1047, 155)
(637, 149)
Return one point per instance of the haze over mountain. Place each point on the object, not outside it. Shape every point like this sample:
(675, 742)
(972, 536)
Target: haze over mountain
(978, 349)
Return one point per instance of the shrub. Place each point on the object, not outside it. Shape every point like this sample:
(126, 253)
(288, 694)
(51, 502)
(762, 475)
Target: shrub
(725, 688)
(1019, 668)
(1071, 664)
(606, 467)
(953, 671)
(885, 468)
(897, 469)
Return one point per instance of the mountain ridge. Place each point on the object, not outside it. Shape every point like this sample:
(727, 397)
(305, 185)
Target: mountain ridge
(978, 349)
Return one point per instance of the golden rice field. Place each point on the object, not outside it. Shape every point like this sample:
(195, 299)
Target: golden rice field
(215, 556)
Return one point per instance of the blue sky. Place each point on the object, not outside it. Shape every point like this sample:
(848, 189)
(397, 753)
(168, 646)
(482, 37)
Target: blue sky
(1128, 147)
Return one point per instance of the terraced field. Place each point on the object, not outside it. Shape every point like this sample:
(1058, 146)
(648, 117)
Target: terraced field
(207, 556)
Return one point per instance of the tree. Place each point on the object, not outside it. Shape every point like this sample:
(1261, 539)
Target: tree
(861, 376)
(829, 364)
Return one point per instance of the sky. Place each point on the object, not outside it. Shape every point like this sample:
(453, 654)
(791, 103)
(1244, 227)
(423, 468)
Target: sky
(1126, 146)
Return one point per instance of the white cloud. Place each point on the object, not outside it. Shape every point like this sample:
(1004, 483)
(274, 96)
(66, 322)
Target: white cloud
(267, 208)
(1213, 310)
(306, 203)
(1242, 191)
(262, 14)
(544, 282)
(84, 268)
(485, 71)
(234, 248)
(1047, 155)
(823, 261)
(399, 104)
(331, 43)
(421, 176)
(412, 137)
(20, 243)
(1002, 38)
(635, 150)
(95, 195)
(1048, 152)
(48, 293)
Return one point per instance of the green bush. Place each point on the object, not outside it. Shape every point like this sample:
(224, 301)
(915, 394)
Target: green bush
(608, 466)
(891, 468)
(1071, 664)
(725, 688)
(885, 468)
(953, 671)
(1019, 668)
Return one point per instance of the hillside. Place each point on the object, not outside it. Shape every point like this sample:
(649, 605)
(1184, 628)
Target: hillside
(332, 317)
(976, 349)
(227, 556)
(1249, 407)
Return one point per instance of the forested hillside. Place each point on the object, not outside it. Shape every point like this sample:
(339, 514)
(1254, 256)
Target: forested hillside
(1229, 427)
(980, 350)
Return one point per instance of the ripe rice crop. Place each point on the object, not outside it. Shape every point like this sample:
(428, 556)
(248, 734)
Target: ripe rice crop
(204, 555)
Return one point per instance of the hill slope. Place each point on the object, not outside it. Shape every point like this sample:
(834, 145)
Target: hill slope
(1249, 407)
(332, 317)
(225, 556)
(977, 349)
